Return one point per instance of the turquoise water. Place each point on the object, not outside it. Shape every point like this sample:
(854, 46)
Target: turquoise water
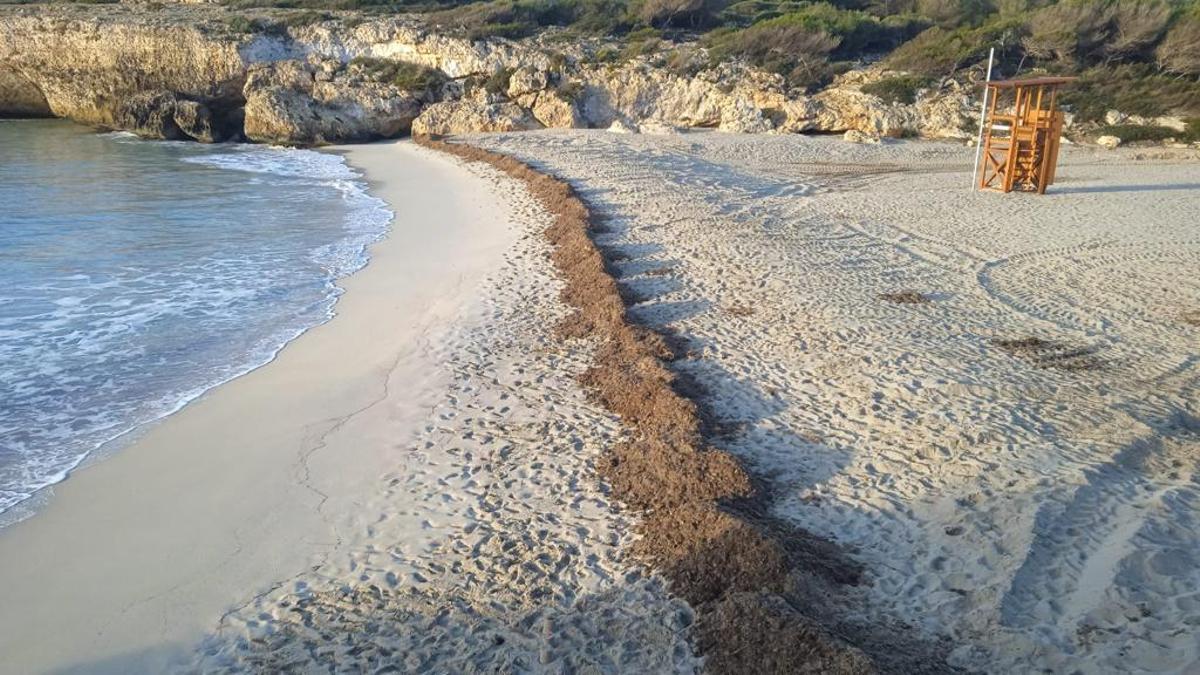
(136, 275)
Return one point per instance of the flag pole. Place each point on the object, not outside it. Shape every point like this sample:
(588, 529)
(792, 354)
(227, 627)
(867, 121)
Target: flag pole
(982, 115)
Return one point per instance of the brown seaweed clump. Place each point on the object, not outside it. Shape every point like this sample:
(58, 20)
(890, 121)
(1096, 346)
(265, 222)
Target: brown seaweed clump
(731, 565)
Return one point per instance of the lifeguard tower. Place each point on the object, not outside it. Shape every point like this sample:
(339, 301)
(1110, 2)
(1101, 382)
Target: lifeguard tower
(1020, 146)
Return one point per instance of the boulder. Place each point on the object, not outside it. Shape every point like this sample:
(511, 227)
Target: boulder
(195, 121)
(556, 112)
(287, 104)
(620, 127)
(166, 116)
(527, 80)
(843, 109)
(657, 127)
(466, 116)
(948, 115)
(1108, 142)
(149, 115)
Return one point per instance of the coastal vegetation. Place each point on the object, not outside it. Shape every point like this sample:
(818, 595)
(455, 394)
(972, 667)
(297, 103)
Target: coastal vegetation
(1139, 56)
(406, 76)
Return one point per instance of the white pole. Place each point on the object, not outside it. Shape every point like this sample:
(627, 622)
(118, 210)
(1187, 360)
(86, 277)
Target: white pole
(982, 115)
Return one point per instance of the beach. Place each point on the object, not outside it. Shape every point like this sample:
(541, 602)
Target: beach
(133, 560)
(986, 403)
(990, 400)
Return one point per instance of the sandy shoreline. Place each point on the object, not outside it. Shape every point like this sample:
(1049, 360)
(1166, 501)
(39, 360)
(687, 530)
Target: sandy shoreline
(134, 559)
(1010, 462)
(1013, 459)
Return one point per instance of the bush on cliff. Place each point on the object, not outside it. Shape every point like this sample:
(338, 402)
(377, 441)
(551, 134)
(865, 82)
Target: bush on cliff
(1134, 89)
(897, 89)
(796, 49)
(1149, 50)
(406, 76)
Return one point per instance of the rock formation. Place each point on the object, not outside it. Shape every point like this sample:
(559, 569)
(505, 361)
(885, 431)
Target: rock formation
(309, 103)
(195, 72)
(466, 116)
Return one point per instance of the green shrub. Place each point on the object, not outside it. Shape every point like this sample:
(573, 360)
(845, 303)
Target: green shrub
(643, 33)
(497, 82)
(939, 52)
(1134, 89)
(1179, 51)
(521, 18)
(239, 24)
(679, 13)
(1132, 132)
(749, 12)
(952, 13)
(897, 89)
(796, 49)
(640, 48)
(407, 76)
(305, 18)
(607, 55)
(685, 62)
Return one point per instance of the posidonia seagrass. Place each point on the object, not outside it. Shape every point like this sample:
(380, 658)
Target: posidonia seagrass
(700, 524)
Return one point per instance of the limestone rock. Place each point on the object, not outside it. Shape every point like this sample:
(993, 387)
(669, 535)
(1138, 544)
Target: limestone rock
(106, 66)
(555, 112)
(1108, 142)
(841, 109)
(951, 115)
(465, 117)
(20, 97)
(148, 114)
(111, 67)
(287, 104)
(1171, 122)
(195, 121)
(527, 80)
(640, 92)
(163, 115)
(856, 136)
(657, 127)
(620, 127)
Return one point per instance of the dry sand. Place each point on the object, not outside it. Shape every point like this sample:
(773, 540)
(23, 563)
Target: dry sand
(989, 401)
(428, 444)
(1012, 456)
(489, 545)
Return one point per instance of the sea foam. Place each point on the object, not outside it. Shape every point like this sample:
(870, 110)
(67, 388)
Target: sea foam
(138, 275)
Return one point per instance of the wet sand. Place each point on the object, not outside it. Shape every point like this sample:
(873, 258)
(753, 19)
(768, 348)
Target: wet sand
(988, 403)
(134, 559)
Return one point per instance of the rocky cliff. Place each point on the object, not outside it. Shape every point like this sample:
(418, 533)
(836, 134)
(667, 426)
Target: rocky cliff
(204, 73)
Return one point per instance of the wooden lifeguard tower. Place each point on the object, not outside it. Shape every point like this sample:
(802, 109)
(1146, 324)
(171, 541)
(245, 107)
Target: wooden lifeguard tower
(1020, 146)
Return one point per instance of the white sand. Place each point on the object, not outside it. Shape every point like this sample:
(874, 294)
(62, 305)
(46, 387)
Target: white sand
(422, 457)
(1039, 509)
(489, 545)
(410, 485)
(136, 557)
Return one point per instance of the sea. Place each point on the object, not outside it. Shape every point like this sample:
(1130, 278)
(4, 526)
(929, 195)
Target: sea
(137, 275)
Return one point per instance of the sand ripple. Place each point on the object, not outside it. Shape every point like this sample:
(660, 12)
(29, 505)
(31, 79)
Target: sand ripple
(492, 547)
(1013, 460)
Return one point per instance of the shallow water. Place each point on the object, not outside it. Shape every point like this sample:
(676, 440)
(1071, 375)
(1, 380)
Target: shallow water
(136, 275)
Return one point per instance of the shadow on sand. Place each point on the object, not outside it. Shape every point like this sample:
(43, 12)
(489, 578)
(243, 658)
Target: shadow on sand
(1126, 188)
